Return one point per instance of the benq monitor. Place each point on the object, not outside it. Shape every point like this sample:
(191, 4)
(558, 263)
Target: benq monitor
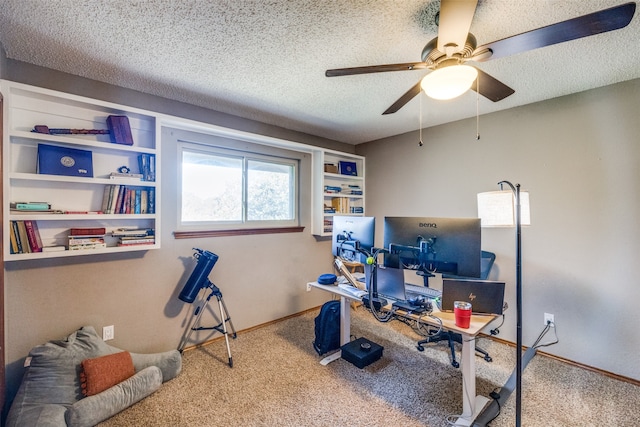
(451, 246)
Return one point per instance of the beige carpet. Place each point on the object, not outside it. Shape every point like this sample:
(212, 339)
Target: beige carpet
(277, 380)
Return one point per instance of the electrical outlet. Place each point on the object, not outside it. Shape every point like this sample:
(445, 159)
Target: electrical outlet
(548, 318)
(108, 333)
(308, 287)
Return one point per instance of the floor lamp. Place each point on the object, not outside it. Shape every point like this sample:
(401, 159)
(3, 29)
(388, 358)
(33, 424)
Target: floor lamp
(506, 209)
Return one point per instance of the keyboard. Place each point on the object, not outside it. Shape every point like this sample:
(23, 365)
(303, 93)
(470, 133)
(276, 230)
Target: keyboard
(422, 291)
(352, 290)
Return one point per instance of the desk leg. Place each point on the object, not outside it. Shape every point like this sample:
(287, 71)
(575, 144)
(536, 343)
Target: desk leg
(472, 405)
(345, 330)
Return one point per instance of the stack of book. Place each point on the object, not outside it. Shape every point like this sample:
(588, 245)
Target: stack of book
(24, 237)
(352, 189)
(87, 238)
(331, 189)
(134, 237)
(34, 208)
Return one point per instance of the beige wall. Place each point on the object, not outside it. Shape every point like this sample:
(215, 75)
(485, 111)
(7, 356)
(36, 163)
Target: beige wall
(262, 277)
(579, 156)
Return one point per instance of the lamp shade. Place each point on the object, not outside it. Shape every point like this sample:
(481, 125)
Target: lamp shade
(449, 82)
(498, 209)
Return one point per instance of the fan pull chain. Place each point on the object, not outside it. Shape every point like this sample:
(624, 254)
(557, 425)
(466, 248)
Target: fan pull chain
(420, 143)
(478, 108)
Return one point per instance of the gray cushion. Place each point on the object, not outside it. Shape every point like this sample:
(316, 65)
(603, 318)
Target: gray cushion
(97, 408)
(51, 383)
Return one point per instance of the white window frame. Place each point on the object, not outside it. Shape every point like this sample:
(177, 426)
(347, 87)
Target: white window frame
(246, 155)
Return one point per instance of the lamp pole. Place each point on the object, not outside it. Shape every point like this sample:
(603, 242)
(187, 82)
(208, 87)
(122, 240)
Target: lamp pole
(516, 192)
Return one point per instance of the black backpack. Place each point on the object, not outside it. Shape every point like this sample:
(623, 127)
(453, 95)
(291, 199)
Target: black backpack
(327, 328)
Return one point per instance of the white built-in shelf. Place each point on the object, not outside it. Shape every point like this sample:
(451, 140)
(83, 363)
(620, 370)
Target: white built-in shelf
(26, 106)
(342, 201)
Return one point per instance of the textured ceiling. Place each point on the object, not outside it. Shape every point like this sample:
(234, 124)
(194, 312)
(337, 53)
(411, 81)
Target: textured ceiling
(265, 59)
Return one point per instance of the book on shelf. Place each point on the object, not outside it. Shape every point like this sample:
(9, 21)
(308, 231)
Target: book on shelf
(56, 248)
(35, 212)
(151, 201)
(340, 204)
(332, 189)
(30, 206)
(133, 232)
(122, 244)
(87, 231)
(33, 235)
(329, 209)
(352, 189)
(88, 246)
(131, 241)
(57, 160)
(24, 237)
(147, 164)
(144, 201)
(125, 199)
(105, 199)
(85, 240)
(348, 168)
(125, 175)
(136, 201)
(137, 238)
(13, 240)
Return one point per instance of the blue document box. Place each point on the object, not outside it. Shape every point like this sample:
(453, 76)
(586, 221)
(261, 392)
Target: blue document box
(54, 160)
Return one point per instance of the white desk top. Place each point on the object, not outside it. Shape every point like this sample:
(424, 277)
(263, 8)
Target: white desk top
(478, 322)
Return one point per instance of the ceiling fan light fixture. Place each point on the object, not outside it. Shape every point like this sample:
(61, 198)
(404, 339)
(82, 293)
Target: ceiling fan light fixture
(449, 82)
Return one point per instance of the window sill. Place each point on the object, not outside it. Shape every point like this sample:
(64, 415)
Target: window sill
(235, 232)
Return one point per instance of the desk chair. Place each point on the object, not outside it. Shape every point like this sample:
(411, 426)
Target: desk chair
(487, 260)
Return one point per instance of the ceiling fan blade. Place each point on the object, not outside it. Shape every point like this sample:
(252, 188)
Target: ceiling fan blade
(583, 26)
(490, 87)
(375, 69)
(454, 23)
(408, 96)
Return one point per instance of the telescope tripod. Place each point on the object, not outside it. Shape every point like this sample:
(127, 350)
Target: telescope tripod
(220, 327)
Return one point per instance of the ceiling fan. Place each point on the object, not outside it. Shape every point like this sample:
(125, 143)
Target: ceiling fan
(455, 46)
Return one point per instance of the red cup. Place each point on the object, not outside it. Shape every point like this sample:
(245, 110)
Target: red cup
(462, 313)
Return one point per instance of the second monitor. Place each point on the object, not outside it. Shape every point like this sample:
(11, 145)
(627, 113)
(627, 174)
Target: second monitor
(349, 234)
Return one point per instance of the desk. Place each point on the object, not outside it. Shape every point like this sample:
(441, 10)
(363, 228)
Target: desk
(471, 407)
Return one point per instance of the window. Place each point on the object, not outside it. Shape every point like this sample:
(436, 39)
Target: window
(225, 188)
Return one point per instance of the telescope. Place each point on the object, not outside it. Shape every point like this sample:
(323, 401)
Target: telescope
(200, 279)
(200, 276)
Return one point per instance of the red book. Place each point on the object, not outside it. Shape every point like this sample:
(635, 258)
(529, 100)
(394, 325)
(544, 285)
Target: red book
(31, 236)
(95, 231)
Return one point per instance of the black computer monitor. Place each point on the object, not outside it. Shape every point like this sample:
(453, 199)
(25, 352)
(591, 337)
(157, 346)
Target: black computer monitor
(349, 234)
(451, 246)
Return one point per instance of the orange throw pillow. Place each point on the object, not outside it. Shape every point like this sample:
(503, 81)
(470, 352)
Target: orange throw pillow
(101, 373)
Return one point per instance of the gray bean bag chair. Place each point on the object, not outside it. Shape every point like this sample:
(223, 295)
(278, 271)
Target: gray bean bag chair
(51, 390)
